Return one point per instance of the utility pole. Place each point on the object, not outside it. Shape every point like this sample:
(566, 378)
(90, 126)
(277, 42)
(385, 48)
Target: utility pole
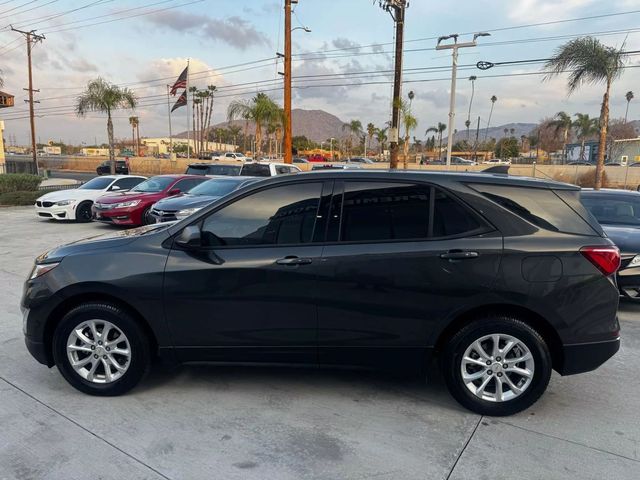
(32, 38)
(455, 46)
(288, 135)
(396, 9)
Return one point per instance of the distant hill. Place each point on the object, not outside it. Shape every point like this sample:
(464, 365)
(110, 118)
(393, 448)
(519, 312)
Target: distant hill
(316, 125)
(497, 132)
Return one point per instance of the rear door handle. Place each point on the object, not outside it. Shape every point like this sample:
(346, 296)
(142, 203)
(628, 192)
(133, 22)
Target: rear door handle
(294, 261)
(459, 255)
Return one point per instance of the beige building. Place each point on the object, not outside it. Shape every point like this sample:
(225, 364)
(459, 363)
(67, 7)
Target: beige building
(160, 146)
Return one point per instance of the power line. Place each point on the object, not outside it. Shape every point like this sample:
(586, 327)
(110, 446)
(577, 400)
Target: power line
(57, 15)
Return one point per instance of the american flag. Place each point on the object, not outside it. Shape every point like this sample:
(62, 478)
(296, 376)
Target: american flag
(181, 102)
(181, 82)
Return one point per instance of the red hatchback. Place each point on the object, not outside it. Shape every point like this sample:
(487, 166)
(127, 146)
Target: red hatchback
(133, 207)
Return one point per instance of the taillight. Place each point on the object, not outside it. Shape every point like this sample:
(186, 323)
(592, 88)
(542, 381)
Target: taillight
(606, 259)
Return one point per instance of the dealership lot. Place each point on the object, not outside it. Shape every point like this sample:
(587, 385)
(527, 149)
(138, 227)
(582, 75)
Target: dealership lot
(231, 422)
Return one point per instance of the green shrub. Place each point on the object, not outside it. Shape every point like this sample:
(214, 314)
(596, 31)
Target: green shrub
(19, 182)
(19, 198)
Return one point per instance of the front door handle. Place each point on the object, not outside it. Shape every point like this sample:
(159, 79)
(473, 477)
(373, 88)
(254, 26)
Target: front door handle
(459, 255)
(294, 261)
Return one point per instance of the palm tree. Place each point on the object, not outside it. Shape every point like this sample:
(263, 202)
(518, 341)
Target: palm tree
(512, 131)
(410, 123)
(439, 130)
(467, 123)
(234, 131)
(260, 109)
(102, 96)
(371, 131)
(135, 146)
(355, 129)
(562, 122)
(629, 97)
(506, 130)
(381, 137)
(493, 99)
(590, 61)
(586, 127)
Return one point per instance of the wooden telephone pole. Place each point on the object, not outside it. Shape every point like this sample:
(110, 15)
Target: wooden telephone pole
(32, 38)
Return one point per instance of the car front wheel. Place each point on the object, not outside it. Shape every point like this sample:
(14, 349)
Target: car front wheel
(497, 366)
(101, 350)
(83, 212)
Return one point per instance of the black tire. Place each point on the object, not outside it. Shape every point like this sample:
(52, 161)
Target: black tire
(140, 358)
(83, 212)
(146, 218)
(496, 324)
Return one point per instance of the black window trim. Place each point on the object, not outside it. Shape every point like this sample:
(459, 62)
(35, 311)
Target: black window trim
(485, 226)
(200, 221)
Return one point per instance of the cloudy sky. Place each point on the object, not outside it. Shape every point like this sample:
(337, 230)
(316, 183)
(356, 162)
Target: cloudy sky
(142, 44)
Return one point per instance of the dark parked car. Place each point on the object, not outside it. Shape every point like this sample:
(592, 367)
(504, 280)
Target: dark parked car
(122, 168)
(501, 278)
(618, 211)
(181, 206)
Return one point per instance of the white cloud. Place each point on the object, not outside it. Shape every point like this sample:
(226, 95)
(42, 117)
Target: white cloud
(533, 11)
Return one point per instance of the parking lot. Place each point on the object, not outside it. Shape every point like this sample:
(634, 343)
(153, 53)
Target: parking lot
(197, 422)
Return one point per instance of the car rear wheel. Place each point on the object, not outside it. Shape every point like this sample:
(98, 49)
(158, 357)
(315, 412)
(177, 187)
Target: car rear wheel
(101, 350)
(497, 366)
(83, 212)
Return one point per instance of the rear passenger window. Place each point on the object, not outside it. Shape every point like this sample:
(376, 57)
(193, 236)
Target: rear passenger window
(450, 218)
(539, 206)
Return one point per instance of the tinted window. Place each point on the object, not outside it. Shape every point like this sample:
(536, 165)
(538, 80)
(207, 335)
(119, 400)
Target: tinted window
(384, 211)
(153, 185)
(217, 187)
(613, 209)
(213, 170)
(128, 183)
(450, 218)
(281, 215)
(97, 183)
(187, 184)
(256, 170)
(540, 206)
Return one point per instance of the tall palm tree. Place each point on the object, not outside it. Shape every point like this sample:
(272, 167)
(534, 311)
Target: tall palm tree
(467, 123)
(585, 127)
(234, 131)
(590, 61)
(354, 127)
(512, 131)
(260, 109)
(410, 123)
(439, 130)
(562, 122)
(102, 96)
(493, 99)
(371, 131)
(135, 146)
(629, 97)
(381, 137)
(506, 131)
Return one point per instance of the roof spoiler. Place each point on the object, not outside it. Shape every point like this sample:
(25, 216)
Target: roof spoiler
(500, 169)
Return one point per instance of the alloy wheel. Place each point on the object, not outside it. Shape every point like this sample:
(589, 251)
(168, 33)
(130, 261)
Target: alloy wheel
(98, 351)
(497, 367)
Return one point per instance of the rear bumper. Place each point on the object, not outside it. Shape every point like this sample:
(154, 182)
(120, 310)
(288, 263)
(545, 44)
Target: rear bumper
(585, 357)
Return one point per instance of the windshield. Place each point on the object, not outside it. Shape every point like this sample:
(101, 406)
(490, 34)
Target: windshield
(613, 209)
(99, 183)
(215, 188)
(229, 170)
(154, 185)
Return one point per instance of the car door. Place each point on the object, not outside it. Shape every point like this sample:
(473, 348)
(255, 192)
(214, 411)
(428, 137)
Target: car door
(400, 260)
(248, 293)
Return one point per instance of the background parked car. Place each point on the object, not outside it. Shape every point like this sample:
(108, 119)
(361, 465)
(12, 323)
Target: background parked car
(122, 168)
(181, 206)
(618, 211)
(133, 207)
(250, 169)
(360, 160)
(75, 204)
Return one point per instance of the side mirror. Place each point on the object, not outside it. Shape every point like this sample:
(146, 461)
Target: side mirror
(174, 191)
(190, 237)
(115, 188)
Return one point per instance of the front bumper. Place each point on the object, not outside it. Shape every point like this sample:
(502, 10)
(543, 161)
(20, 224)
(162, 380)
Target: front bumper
(585, 357)
(67, 212)
(38, 351)
(628, 280)
(117, 216)
(162, 216)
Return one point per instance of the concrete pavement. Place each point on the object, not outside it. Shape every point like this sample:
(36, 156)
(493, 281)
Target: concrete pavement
(201, 422)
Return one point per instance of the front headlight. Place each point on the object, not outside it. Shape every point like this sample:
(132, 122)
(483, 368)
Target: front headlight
(132, 203)
(41, 269)
(635, 261)
(182, 214)
(64, 203)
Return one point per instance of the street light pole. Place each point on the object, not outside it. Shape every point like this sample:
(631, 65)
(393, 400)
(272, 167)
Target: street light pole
(288, 136)
(455, 46)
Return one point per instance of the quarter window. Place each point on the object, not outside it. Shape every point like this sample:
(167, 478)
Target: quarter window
(278, 216)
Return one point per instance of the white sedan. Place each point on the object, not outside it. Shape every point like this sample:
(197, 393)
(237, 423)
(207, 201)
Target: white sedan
(75, 204)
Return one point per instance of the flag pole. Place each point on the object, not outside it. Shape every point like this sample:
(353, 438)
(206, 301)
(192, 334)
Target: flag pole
(170, 134)
(188, 130)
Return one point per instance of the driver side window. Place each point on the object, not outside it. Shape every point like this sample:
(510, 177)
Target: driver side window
(277, 216)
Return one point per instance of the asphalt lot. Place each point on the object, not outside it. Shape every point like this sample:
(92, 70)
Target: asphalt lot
(206, 422)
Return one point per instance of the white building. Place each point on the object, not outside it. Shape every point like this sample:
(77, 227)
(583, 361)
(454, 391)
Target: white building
(160, 146)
